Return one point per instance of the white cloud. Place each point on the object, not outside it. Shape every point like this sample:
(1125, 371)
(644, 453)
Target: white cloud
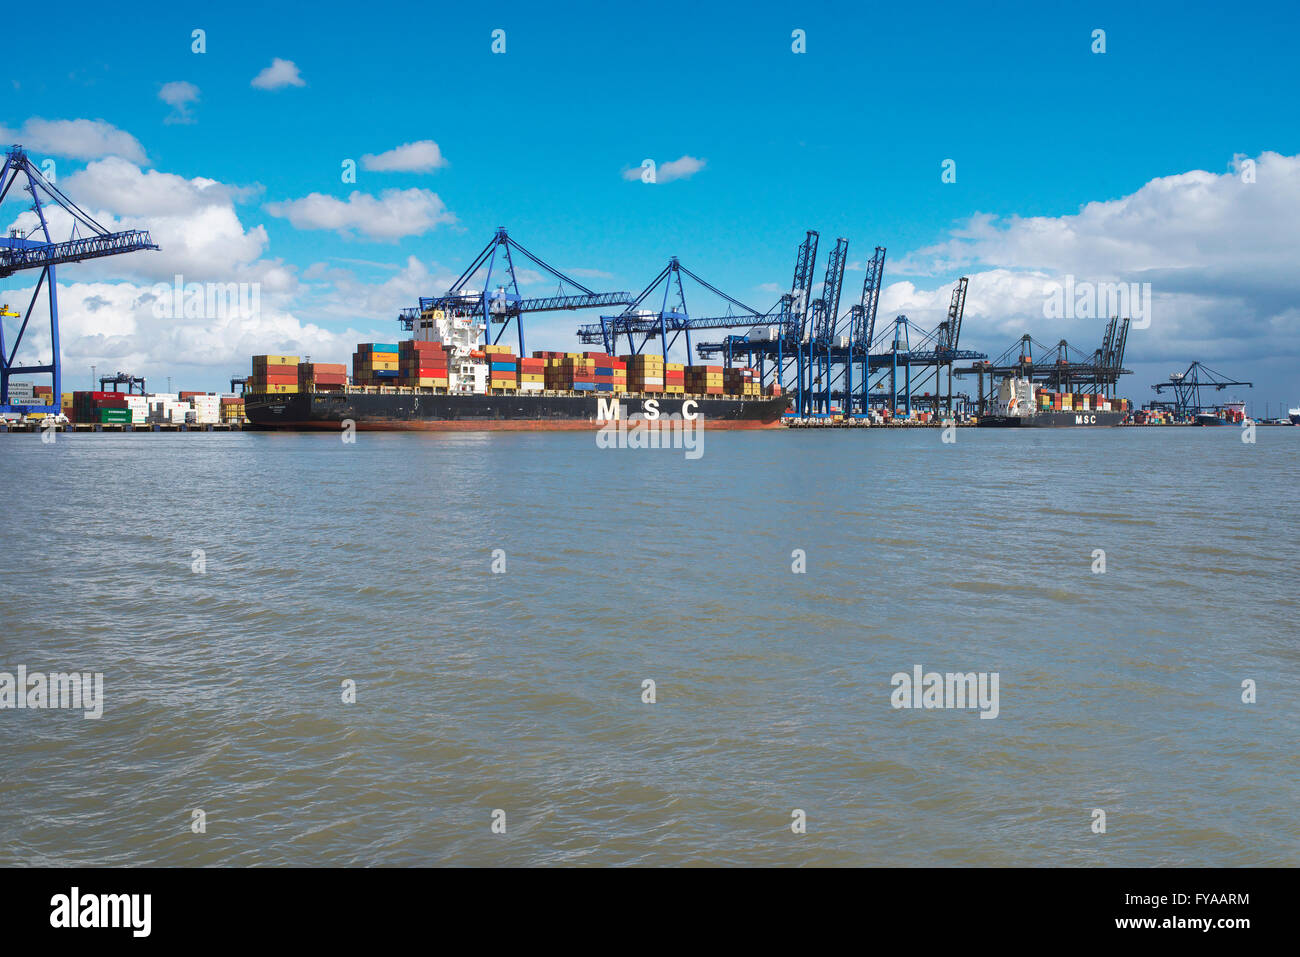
(279, 74)
(683, 167)
(193, 221)
(114, 326)
(75, 139)
(1219, 254)
(423, 156)
(179, 94)
(395, 213)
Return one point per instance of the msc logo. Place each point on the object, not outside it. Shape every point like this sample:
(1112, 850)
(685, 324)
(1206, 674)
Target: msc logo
(1085, 420)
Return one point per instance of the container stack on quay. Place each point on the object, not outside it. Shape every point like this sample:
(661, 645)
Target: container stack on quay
(232, 409)
(376, 363)
(101, 408)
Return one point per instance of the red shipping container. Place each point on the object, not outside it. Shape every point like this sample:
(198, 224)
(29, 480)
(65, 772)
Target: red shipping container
(277, 378)
(111, 404)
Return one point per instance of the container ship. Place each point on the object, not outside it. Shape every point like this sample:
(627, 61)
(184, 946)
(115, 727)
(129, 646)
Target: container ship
(447, 381)
(1232, 413)
(1020, 405)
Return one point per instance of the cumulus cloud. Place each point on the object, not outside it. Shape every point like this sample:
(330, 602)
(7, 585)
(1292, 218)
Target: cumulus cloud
(683, 167)
(422, 156)
(1218, 250)
(179, 94)
(194, 222)
(395, 213)
(75, 139)
(279, 74)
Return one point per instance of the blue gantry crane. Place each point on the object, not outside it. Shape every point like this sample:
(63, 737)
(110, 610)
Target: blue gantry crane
(20, 251)
(1060, 368)
(672, 319)
(783, 335)
(505, 304)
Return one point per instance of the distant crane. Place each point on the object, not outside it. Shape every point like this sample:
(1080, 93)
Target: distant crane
(1187, 386)
(89, 240)
(122, 378)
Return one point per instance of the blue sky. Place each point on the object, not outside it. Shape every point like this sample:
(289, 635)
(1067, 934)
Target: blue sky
(847, 138)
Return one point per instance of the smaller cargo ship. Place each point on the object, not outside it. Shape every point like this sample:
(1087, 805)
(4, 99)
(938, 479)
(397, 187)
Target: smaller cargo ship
(1232, 413)
(1019, 405)
(1294, 415)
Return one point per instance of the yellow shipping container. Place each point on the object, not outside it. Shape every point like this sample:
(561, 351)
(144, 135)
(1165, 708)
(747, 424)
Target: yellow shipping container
(376, 366)
(531, 377)
(274, 389)
(675, 389)
(275, 360)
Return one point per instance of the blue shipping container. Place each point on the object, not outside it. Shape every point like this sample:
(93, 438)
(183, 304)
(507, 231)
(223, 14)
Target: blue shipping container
(584, 387)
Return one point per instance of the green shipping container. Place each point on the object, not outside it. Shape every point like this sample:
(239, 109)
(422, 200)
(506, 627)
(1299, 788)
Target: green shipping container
(114, 415)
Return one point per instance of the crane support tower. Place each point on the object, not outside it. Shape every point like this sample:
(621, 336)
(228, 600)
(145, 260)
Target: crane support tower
(33, 247)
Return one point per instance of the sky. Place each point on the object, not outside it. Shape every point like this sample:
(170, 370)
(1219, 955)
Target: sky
(1172, 158)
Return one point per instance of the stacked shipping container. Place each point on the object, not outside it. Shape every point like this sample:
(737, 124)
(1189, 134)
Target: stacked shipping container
(375, 363)
(740, 380)
(503, 367)
(704, 380)
(322, 376)
(423, 365)
(271, 373)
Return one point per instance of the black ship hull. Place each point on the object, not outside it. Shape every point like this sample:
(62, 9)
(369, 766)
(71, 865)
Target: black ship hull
(1052, 420)
(427, 412)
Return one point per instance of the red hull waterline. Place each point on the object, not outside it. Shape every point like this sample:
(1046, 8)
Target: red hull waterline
(504, 425)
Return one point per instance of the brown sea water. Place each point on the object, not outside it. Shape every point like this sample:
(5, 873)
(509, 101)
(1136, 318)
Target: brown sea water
(522, 691)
